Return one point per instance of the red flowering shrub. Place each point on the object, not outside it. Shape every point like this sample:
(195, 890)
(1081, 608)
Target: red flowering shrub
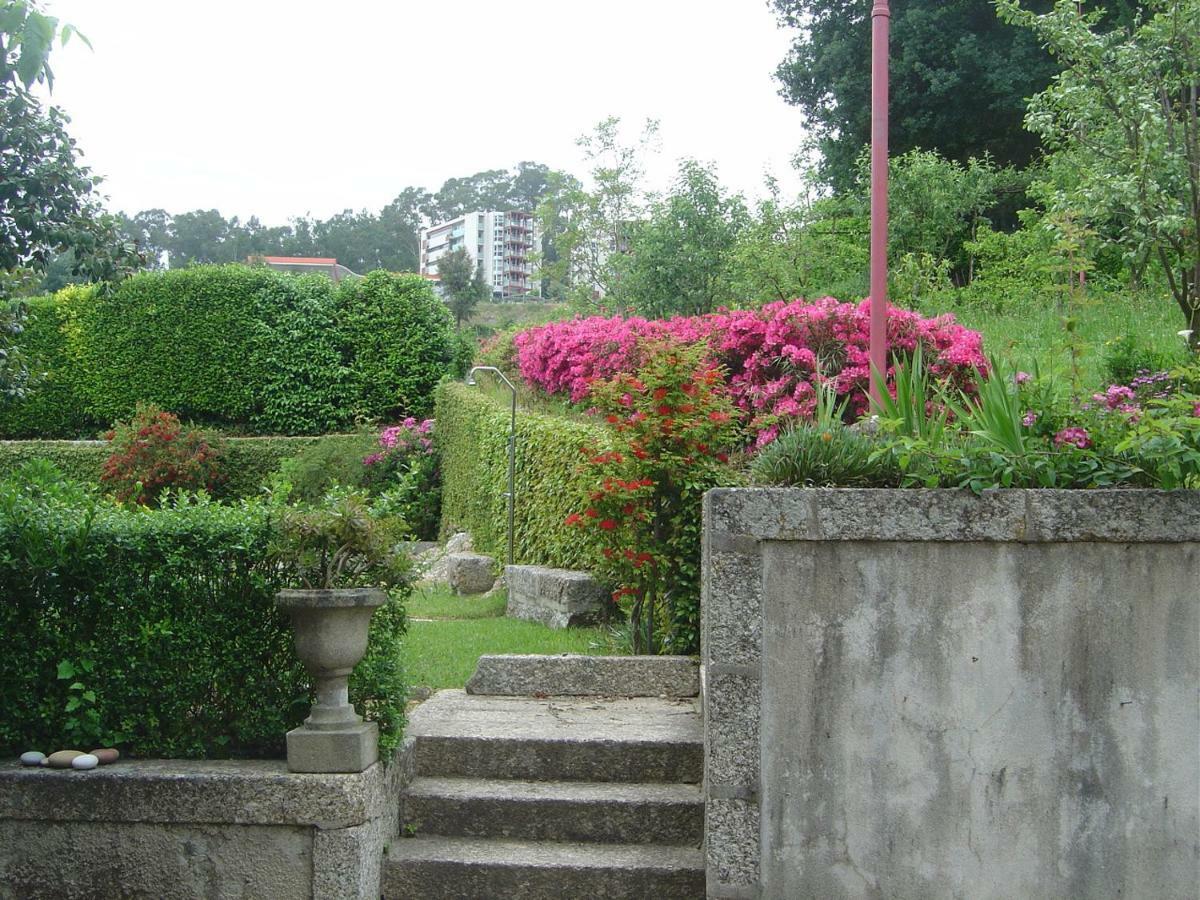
(152, 453)
(674, 424)
(773, 357)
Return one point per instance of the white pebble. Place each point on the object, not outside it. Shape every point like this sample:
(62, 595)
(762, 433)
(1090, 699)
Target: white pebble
(87, 761)
(32, 758)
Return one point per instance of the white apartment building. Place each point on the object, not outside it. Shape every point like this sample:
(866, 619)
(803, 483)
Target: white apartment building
(501, 243)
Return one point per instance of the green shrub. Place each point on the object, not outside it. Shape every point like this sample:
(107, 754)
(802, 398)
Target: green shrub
(399, 342)
(52, 407)
(156, 630)
(472, 436)
(152, 454)
(323, 465)
(249, 462)
(825, 456)
(231, 346)
(1126, 357)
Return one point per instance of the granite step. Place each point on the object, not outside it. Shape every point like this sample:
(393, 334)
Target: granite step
(623, 739)
(602, 812)
(463, 868)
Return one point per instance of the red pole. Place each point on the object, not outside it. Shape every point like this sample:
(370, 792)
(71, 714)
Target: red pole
(880, 20)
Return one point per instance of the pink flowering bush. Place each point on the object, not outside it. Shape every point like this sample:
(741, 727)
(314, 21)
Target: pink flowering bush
(405, 478)
(775, 356)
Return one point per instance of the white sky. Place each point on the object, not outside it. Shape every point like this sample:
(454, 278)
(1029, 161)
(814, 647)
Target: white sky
(279, 109)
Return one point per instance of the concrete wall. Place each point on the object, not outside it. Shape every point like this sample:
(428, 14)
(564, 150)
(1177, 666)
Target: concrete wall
(926, 694)
(196, 829)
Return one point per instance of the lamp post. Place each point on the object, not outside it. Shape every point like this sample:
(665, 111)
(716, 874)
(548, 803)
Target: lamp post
(512, 446)
(880, 22)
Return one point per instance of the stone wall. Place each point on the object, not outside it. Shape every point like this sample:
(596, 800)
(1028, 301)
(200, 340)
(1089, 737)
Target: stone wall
(196, 829)
(927, 694)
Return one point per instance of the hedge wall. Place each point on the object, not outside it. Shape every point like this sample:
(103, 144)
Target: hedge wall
(241, 348)
(248, 462)
(472, 435)
(53, 407)
(156, 632)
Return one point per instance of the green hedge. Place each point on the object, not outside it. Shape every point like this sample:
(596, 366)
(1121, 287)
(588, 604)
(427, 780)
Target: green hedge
(156, 632)
(401, 342)
(241, 348)
(472, 435)
(53, 407)
(249, 462)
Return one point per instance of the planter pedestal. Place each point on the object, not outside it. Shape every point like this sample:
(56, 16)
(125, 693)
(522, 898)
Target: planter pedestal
(331, 637)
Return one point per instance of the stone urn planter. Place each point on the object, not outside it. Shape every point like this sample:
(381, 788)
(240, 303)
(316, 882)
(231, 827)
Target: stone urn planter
(331, 637)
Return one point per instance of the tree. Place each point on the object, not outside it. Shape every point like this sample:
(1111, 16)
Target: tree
(462, 283)
(1123, 133)
(959, 78)
(680, 257)
(592, 227)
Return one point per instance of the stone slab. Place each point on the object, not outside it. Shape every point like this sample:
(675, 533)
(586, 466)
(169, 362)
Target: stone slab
(578, 675)
(558, 598)
(470, 573)
(346, 750)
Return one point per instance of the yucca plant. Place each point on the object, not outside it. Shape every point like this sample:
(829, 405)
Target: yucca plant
(915, 411)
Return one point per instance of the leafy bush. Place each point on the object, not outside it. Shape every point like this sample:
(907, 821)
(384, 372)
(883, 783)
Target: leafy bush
(323, 465)
(774, 357)
(674, 426)
(1125, 358)
(156, 630)
(472, 438)
(249, 462)
(51, 407)
(404, 476)
(339, 543)
(398, 341)
(152, 453)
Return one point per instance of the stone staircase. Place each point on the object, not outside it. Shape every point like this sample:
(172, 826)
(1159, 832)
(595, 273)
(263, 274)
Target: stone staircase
(551, 796)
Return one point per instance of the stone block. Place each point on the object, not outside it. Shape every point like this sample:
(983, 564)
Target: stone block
(579, 676)
(470, 573)
(351, 749)
(558, 598)
(731, 845)
(731, 721)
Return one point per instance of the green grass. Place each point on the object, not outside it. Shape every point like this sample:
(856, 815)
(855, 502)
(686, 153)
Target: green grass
(442, 653)
(1035, 332)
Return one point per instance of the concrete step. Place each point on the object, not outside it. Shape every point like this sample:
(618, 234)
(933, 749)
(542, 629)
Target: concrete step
(480, 869)
(627, 739)
(556, 811)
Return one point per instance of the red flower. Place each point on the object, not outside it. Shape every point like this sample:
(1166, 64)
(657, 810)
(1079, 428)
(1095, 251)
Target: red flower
(591, 513)
(627, 509)
(573, 519)
(611, 419)
(660, 393)
(608, 524)
(663, 410)
(608, 552)
(718, 416)
(640, 453)
(723, 457)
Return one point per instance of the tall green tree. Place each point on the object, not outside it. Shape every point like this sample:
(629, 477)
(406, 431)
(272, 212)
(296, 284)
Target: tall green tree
(680, 256)
(592, 225)
(1122, 126)
(462, 283)
(959, 78)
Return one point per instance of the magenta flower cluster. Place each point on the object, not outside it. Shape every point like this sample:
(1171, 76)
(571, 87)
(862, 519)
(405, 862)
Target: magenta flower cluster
(774, 357)
(410, 435)
(1074, 437)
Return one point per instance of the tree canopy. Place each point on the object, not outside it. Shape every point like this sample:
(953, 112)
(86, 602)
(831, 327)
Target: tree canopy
(960, 77)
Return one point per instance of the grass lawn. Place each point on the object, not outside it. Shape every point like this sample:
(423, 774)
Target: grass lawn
(442, 653)
(1031, 333)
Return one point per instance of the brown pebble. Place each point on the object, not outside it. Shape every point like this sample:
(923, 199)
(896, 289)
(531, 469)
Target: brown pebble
(61, 759)
(107, 755)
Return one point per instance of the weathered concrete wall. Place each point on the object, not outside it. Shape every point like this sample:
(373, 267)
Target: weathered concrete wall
(916, 694)
(196, 829)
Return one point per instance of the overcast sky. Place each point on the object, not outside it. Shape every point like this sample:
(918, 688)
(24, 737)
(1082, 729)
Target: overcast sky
(279, 109)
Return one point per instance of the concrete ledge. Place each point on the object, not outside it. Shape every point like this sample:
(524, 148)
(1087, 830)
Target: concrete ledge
(197, 829)
(558, 598)
(1025, 516)
(581, 676)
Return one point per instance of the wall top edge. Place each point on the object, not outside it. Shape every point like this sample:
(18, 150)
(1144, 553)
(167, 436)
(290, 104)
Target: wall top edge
(1021, 515)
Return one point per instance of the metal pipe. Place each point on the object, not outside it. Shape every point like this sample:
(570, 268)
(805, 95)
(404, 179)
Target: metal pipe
(880, 22)
(512, 448)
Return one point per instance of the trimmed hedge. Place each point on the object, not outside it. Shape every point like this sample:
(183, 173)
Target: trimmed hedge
(472, 435)
(249, 462)
(401, 343)
(53, 407)
(156, 632)
(241, 348)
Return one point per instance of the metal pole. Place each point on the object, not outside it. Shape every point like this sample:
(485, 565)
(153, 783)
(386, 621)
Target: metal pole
(512, 449)
(880, 22)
